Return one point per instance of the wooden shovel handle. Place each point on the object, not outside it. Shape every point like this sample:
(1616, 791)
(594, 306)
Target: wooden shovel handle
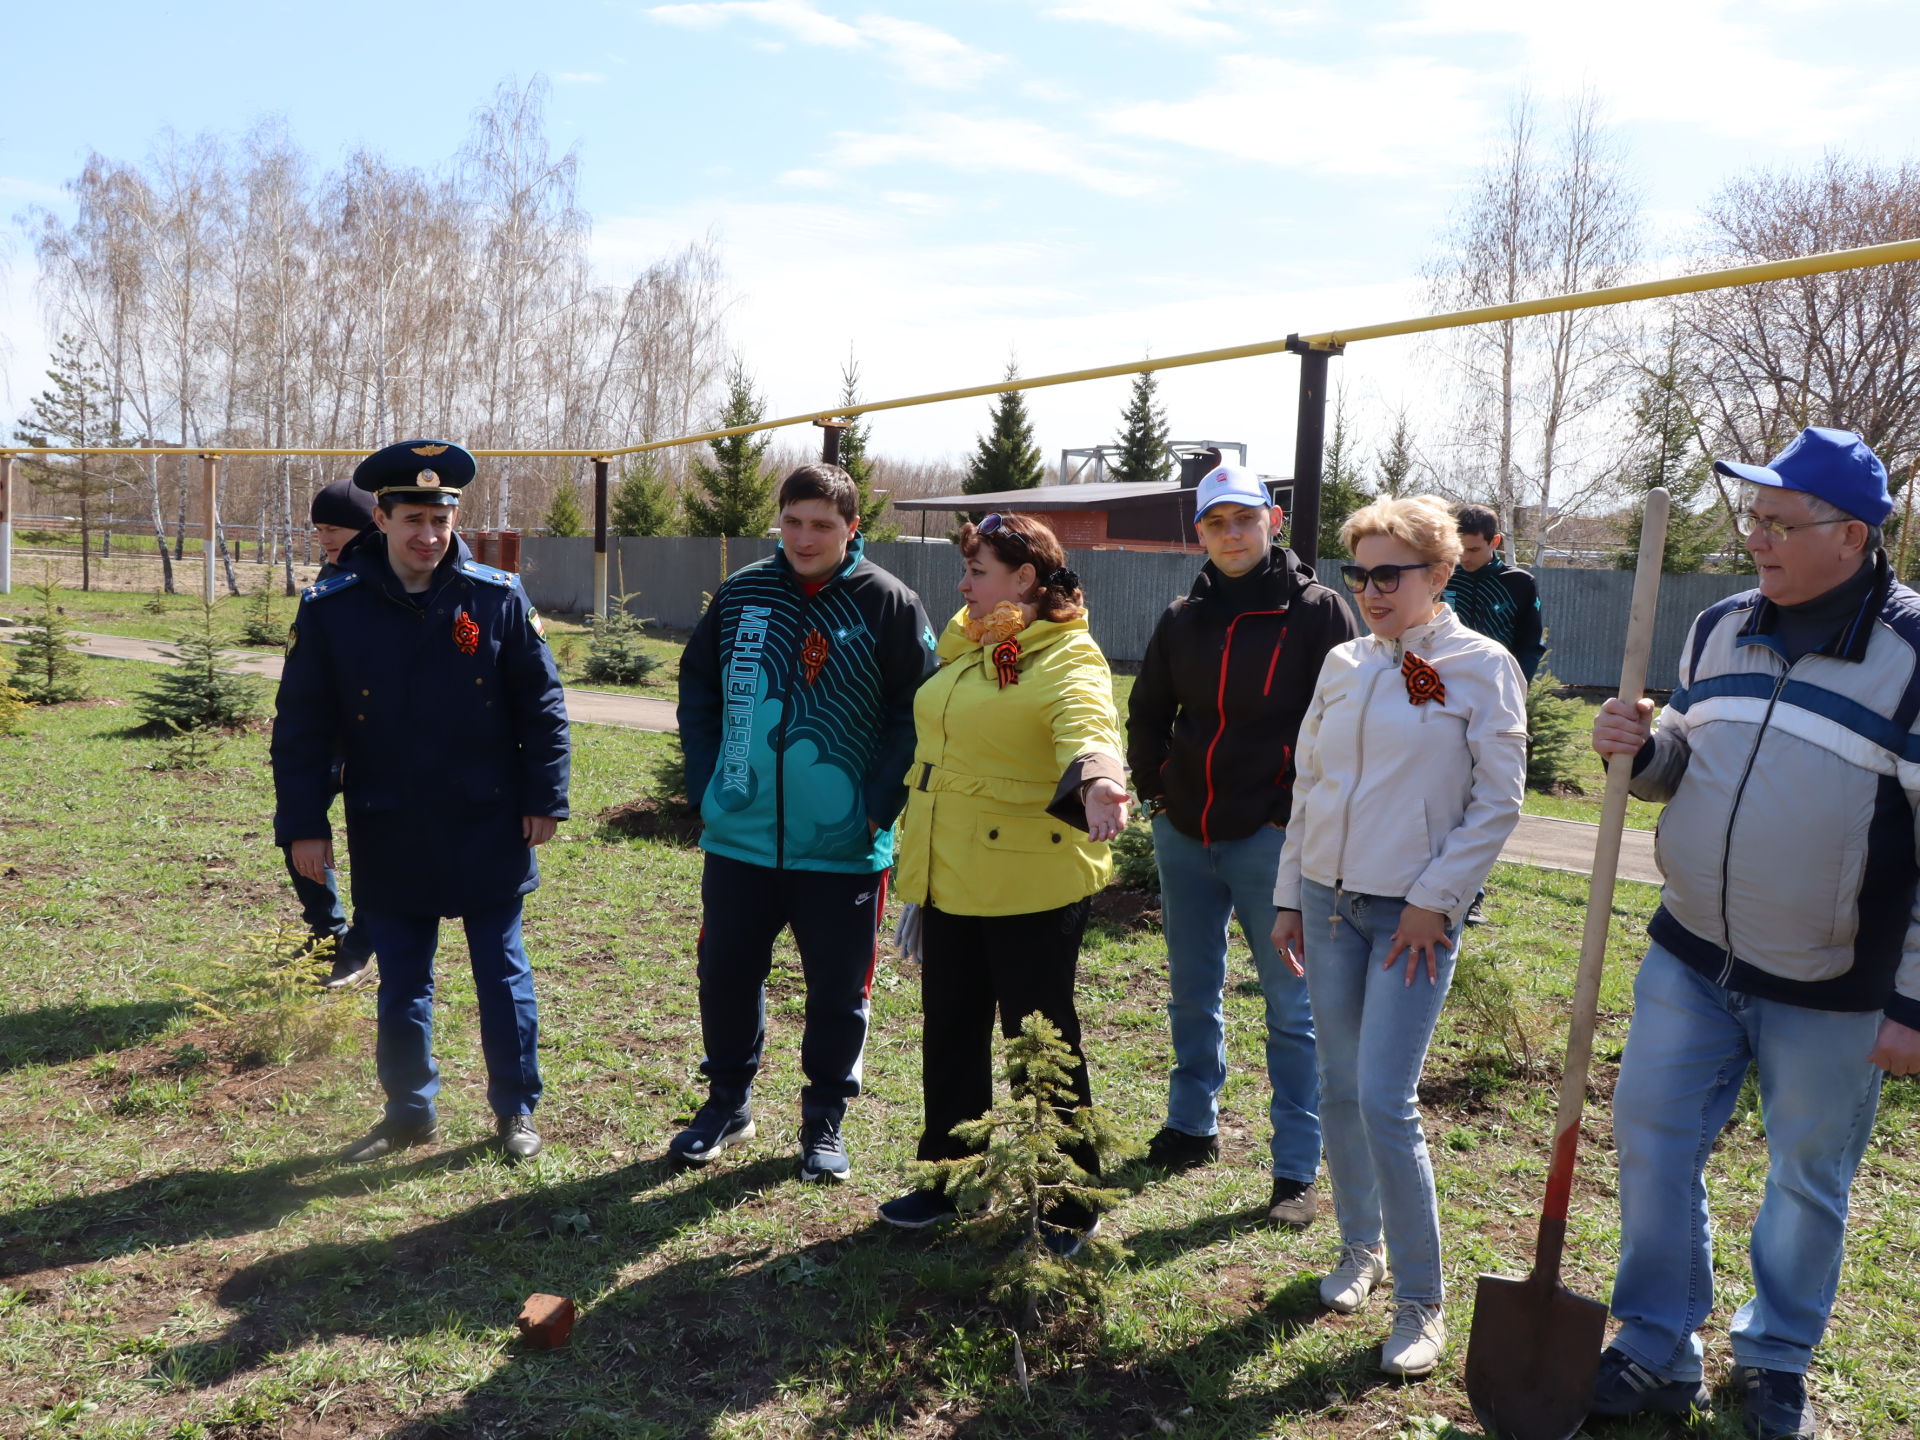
(1606, 864)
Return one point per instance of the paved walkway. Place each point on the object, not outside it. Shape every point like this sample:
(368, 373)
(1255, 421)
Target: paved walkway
(588, 707)
(1537, 840)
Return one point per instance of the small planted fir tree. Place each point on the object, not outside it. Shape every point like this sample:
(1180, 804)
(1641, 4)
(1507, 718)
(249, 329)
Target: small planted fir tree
(262, 625)
(617, 654)
(1023, 1170)
(1556, 731)
(202, 690)
(49, 670)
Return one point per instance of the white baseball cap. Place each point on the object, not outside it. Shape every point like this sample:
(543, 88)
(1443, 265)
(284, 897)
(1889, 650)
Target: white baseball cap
(1233, 484)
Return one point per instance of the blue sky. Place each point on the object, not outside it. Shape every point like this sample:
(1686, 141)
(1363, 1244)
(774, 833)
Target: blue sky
(939, 185)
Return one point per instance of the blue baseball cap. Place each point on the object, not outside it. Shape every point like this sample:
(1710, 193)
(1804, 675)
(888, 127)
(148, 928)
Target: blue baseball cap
(1834, 465)
(1230, 484)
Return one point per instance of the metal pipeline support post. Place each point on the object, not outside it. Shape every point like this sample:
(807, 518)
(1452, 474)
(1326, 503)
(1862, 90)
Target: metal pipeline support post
(210, 507)
(6, 524)
(1309, 446)
(600, 536)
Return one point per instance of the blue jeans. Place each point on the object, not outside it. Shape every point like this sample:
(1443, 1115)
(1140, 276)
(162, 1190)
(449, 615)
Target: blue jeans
(503, 986)
(1688, 1050)
(1374, 1029)
(1202, 888)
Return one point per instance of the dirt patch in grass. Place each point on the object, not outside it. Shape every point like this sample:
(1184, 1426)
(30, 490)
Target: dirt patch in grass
(650, 818)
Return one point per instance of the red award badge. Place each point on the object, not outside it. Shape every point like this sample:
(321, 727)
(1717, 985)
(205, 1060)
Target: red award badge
(1423, 681)
(1006, 662)
(466, 633)
(813, 655)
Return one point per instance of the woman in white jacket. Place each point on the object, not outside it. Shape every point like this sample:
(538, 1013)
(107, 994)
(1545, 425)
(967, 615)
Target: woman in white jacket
(1409, 774)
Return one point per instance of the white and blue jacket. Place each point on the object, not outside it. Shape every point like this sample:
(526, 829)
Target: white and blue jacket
(1788, 840)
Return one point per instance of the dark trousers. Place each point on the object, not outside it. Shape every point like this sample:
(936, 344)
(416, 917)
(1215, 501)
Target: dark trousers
(835, 920)
(971, 966)
(321, 911)
(503, 986)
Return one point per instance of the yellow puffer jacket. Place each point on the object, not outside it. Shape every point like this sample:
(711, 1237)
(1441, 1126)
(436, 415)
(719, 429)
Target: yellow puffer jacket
(994, 769)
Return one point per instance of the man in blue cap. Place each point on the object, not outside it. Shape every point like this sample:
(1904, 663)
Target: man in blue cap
(1787, 936)
(428, 674)
(341, 513)
(1211, 728)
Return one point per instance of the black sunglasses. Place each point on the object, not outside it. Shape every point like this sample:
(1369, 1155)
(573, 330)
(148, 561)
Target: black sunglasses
(996, 524)
(1385, 578)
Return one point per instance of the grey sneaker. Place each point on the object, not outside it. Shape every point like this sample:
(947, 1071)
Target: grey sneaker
(714, 1127)
(348, 970)
(823, 1154)
(1346, 1290)
(1417, 1341)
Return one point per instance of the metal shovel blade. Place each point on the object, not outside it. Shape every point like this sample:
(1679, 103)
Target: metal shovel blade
(1532, 1358)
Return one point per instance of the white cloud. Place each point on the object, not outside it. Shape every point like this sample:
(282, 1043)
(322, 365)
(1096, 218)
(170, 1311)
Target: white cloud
(1171, 19)
(1390, 115)
(1651, 62)
(580, 77)
(989, 145)
(807, 179)
(918, 202)
(923, 55)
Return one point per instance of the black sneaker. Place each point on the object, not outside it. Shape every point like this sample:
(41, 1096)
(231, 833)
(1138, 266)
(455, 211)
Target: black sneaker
(348, 970)
(1294, 1203)
(389, 1136)
(1626, 1387)
(1172, 1149)
(518, 1139)
(1476, 914)
(1775, 1404)
(1068, 1241)
(823, 1154)
(714, 1127)
(919, 1209)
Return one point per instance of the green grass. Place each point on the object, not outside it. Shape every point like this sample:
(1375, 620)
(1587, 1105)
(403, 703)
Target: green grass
(178, 1257)
(1591, 778)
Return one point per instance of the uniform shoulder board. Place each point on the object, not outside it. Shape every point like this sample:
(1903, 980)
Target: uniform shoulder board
(332, 585)
(506, 579)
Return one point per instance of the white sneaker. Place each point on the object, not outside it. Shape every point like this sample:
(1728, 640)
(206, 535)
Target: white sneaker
(1418, 1338)
(1361, 1268)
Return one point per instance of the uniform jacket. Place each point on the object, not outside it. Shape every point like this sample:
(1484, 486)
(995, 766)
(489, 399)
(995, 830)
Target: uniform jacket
(994, 825)
(1393, 798)
(1502, 601)
(451, 723)
(1788, 839)
(796, 714)
(1216, 709)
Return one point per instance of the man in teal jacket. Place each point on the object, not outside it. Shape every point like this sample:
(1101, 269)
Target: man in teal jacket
(796, 717)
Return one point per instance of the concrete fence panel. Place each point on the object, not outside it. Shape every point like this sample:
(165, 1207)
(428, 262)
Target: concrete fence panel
(668, 579)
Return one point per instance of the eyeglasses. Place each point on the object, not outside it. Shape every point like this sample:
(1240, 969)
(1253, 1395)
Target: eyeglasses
(1748, 523)
(1385, 578)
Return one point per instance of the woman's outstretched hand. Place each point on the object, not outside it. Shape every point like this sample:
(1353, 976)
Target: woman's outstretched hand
(1106, 804)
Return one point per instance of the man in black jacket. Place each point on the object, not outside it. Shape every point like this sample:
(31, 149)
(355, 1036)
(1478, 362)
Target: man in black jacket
(1210, 733)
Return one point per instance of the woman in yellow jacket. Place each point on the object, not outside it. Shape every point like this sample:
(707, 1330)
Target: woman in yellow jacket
(1016, 788)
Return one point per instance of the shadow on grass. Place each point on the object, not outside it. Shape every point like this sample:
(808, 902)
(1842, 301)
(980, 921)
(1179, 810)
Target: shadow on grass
(55, 1034)
(189, 1205)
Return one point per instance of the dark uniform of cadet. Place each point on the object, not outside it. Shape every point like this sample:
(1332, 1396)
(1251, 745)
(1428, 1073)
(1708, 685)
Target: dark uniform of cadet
(344, 506)
(447, 711)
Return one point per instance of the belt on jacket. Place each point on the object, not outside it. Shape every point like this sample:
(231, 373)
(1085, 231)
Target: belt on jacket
(1004, 789)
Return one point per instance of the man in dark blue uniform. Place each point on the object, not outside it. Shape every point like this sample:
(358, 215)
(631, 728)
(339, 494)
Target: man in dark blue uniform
(429, 675)
(341, 513)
